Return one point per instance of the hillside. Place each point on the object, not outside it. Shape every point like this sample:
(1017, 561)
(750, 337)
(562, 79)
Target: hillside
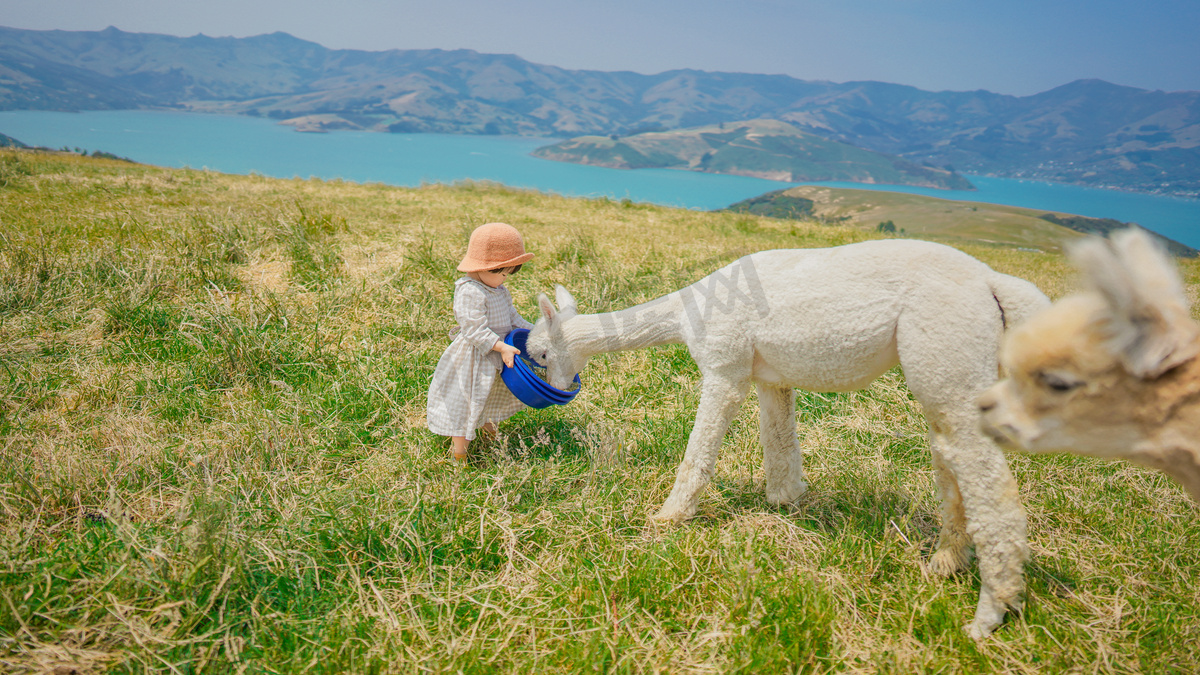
(1087, 132)
(761, 148)
(213, 457)
(946, 220)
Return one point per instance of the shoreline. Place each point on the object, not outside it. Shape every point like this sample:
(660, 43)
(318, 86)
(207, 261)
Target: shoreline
(245, 144)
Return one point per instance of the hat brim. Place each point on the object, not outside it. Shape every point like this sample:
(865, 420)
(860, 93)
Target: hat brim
(470, 264)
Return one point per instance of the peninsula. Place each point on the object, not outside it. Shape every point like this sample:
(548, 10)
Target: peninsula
(762, 148)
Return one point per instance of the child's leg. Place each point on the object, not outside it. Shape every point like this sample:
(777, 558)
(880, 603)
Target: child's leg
(458, 444)
(458, 447)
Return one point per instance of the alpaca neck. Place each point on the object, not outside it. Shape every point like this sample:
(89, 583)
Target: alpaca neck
(1175, 449)
(1179, 460)
(683, 316)
(1187, 472)
(652, 323)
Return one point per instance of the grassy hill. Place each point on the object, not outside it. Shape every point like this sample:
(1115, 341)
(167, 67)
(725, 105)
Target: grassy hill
(214, 459)
(944, 220)
(760, 148)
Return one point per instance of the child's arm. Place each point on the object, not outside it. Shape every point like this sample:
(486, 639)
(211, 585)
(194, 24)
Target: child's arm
(470, 309)
(507, 352)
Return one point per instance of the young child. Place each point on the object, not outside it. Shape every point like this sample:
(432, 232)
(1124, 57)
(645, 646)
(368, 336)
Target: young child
(466, 392)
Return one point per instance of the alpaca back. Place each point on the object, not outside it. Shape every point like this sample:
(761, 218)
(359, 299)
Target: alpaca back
(1018, 299)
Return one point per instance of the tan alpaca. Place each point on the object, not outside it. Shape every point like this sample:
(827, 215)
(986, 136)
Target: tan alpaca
(835, 319)
(1111, 371)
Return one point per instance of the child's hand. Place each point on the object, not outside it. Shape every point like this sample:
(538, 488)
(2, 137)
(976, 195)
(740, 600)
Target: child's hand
(507, 352)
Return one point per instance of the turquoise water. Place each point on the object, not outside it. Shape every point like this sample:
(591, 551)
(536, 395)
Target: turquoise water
(245, 144)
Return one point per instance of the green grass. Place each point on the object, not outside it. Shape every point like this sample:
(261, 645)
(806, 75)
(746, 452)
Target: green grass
(213, 459)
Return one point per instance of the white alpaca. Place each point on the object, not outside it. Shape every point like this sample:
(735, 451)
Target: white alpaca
(835, 319)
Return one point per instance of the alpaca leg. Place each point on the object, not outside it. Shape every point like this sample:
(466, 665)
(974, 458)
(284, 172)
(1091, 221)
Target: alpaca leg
(719, 402)
(783, 463)
(953, 548)
(995, 521)
(947, 341)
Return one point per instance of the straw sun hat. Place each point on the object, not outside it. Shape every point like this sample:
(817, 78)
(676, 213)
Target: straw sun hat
(494, 246)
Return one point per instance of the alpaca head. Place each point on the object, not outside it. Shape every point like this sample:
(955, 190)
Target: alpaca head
(547, 343)
(1094, 372)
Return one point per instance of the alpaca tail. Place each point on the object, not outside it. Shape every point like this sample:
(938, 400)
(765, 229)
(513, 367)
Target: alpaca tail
(1018, 299)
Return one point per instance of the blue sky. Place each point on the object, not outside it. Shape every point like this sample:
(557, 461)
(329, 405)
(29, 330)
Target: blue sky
(1008, 46)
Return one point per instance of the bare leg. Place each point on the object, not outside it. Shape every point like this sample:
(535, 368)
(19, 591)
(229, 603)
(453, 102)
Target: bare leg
(458, 448)
(719, 402)
(783, 463)
(459, 444)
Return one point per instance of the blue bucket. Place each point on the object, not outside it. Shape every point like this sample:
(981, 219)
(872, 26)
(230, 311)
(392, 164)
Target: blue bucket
(523, 381)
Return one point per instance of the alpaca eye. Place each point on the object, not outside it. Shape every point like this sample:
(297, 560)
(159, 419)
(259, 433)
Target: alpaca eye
(1058, 383)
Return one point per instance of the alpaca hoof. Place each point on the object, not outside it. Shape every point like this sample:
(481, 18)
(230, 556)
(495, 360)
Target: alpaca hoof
(666, 518)
(947, 562)
(980, 630)
(669, 516)
(988, 615)
(788, 495)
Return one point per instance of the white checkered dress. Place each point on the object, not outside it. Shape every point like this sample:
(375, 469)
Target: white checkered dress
(466, 391)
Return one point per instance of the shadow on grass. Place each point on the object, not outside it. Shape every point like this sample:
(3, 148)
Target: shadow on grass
(868, 512)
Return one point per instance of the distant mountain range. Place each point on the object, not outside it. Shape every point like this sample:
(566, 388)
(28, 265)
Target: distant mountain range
(1087, 132)
(761, 148)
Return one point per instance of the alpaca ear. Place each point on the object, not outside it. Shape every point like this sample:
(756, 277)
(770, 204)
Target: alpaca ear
(546, 307)
(1150, 323)
(566, 303)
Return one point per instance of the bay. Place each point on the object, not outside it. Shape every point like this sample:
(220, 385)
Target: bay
(235, 144)
(244, 145)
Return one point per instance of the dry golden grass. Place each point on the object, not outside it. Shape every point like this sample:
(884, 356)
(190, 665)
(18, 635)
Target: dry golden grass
(947, 220)
(215, 460)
